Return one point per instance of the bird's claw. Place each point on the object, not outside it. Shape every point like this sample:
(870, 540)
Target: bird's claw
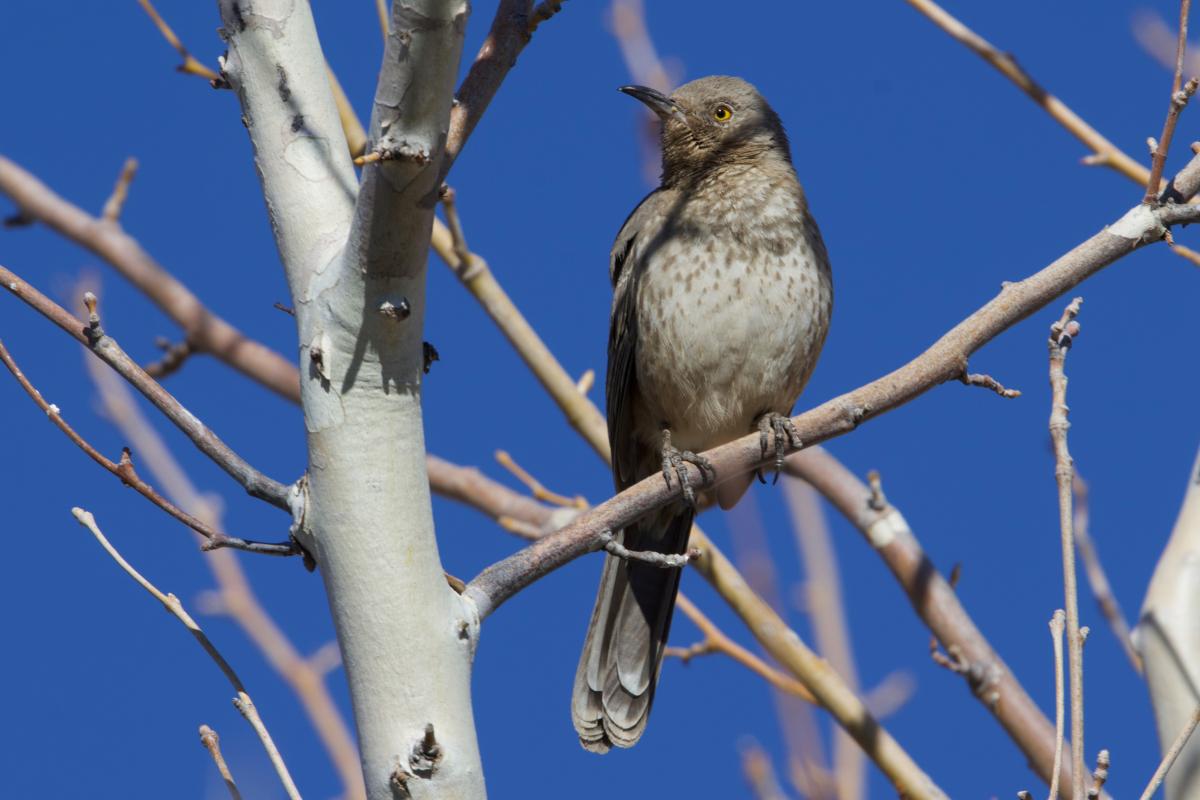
(776, 426)
(676, 461)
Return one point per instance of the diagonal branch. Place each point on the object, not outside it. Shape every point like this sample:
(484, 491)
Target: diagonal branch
(512, 27)
(1105, 152)
(92, 336)
(171, 603)
(936, 603)
(205, 331)
(1180, 95)
(941, 362)
(124, 470)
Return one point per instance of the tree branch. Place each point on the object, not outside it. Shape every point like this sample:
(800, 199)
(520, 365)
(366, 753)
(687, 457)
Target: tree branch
(936, 603)
(124, 470)
(92, 336)
(204, 330)
(941, 362)
(1105, 152)
(171, 603)
(1062, 333)
(1179, 98)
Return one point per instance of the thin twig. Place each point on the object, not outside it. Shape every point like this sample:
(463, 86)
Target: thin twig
(124, 470)
(1062, 334)
(510, 32)
(116, 201)
(212, 743)
(190, 65)
(1172, 753)
(1098, 578)
(1179, 97)
(92, 335)
(716, 641)
(535, 486)
(1056, 632)
(988, 382)
(660, 560)
(172, 604)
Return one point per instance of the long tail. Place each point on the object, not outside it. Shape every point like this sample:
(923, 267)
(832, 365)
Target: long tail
(622, 655)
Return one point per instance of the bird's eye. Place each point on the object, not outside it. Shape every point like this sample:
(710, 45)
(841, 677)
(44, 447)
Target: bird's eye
(722, 113)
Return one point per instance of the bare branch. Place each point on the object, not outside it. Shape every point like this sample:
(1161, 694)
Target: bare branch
(207, 332)
(171, 603)
(212, 743)
(988, 382)
(512, 27)
(661, 560)
(838, 416)
(1179, 98)
(124, 470)
(92, 336)
(935, 602)
(1105, 152)
(716, 641)
(1062, 333)
(190, 65)
(116, 201)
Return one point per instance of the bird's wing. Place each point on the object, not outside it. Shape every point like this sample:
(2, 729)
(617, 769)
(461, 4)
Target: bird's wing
(621, 381)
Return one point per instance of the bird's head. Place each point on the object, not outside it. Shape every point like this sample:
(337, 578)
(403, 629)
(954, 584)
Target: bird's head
(711, 122)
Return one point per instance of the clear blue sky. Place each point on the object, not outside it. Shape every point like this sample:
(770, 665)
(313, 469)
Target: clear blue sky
(933, 180)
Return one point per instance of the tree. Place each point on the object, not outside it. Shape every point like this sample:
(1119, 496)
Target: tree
(354, 256)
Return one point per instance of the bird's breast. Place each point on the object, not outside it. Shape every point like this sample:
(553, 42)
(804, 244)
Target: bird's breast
(730, 326)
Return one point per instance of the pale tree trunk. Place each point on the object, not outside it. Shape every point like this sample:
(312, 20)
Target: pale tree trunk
(355, 263)
(1168, 636)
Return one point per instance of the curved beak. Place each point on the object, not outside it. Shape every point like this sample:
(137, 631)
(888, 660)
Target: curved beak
(655, 100)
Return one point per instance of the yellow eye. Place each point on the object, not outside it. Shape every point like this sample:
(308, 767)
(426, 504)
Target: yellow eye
(722, 113)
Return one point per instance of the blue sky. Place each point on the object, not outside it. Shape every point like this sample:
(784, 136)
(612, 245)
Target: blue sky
(933, 180)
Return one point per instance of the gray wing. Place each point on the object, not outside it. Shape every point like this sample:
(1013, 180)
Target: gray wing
(620, 386)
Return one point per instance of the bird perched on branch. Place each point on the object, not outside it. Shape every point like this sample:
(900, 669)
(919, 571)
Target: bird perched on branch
(721, 301)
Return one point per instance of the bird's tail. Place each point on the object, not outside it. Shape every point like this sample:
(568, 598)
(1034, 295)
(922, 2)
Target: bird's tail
(623, 652)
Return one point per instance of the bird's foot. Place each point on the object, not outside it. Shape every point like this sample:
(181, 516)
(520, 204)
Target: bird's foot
(676, 461)
(777, 427)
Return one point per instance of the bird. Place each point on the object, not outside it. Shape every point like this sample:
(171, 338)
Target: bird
(722, 297)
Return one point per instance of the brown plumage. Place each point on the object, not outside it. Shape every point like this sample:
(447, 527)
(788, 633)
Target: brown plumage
(721, 301)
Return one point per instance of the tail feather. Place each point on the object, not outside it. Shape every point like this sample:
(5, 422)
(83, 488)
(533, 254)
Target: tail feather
(622, 655)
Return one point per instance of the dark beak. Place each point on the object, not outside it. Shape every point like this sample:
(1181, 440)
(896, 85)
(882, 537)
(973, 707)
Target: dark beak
(656, 101)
